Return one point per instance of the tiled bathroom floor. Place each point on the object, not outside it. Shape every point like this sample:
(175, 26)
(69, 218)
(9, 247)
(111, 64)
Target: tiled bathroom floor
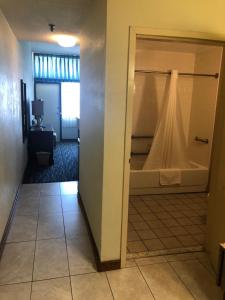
(48, 256)
(165, 224)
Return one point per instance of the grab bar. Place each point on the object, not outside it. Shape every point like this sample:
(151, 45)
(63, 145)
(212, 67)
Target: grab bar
(142, 136)
(139, 153)
(202, 140)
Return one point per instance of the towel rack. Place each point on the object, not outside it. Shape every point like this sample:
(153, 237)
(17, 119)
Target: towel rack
(202, 140)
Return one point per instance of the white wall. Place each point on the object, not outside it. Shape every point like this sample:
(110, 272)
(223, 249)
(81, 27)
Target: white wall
(200, 16)
(12, 150)
(204, 103)
(92, 116)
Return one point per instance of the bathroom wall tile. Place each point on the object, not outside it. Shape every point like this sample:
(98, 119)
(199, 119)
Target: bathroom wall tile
(128, 284)
(91, 286)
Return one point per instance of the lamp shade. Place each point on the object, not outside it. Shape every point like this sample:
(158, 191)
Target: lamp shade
(38, 107)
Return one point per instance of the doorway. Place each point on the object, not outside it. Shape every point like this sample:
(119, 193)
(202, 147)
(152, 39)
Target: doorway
(149, 200)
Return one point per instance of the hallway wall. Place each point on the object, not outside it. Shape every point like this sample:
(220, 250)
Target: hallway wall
(12, 149)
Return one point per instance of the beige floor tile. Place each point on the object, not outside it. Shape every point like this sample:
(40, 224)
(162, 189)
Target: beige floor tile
(81, 258)
(136, 246)
(177, 214)
(148, 216)
(193, 229)
(146, 234)
(140, 225)
(184, 221)
(127, 284)
(69, 188)
(180, 257)
(17, 262)
(50, 205)
(53, 289)
(50, 227)
(164, 282)
(74, 225)
(28, 206)
(170, 222)
(162, 232)
(19, 291)
(154, 244)
(91, 286)
(23, 229)
(178, 230)
(132, 236)
(135, 218)
(50, 259)
(155, 224)
(171, 242)
(70, 203)
(150, 260)
(187, 240)
(130, 263)
(50, 189)
(198, 280)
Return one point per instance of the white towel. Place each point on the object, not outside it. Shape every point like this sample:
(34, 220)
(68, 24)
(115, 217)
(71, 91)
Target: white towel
(169, 176)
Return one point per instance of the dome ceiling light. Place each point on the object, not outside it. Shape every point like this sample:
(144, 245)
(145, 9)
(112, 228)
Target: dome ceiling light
(64, 40)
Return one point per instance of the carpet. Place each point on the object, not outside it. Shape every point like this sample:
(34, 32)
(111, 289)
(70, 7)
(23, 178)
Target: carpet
(65, 167)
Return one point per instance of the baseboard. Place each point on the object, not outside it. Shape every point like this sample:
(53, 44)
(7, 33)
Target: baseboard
(9, 222)
(101, 266)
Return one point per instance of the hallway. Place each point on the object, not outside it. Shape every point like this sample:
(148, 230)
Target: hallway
(48, 255)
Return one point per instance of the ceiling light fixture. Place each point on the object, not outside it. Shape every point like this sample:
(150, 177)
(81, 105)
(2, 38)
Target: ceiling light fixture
(64, 40)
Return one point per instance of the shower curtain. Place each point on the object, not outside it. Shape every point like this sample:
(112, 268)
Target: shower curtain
(169, 149)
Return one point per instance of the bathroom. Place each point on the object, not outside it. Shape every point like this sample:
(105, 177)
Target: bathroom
(173, 115)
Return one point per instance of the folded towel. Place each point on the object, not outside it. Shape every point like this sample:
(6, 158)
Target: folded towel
(169, 176)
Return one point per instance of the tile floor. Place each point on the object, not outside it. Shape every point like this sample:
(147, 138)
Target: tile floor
(48, 256)
(165, 224)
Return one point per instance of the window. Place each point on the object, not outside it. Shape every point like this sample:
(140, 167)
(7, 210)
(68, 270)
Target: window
(56, 67)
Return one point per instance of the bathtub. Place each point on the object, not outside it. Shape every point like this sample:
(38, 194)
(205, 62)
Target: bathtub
(142, 182)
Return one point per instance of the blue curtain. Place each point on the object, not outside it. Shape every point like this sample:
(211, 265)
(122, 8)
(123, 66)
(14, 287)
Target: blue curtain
(56, 67)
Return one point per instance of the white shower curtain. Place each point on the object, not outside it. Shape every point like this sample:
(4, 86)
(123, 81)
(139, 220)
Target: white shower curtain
(169, 149)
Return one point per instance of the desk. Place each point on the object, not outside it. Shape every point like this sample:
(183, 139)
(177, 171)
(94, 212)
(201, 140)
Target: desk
(41, 140)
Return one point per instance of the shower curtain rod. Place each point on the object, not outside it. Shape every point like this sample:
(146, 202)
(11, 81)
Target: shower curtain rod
(216, 75)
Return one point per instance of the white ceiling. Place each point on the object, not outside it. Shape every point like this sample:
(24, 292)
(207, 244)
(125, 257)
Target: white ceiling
(29, 19)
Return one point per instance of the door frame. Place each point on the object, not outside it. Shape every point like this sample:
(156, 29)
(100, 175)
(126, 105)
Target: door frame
(173, 36)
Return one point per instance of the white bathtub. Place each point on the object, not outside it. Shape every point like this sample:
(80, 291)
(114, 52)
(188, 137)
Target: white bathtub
(142, 182)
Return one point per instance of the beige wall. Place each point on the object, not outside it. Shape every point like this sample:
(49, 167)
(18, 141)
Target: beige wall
(12, 150)
(200, 16)
(204, 105)
(92, 115)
